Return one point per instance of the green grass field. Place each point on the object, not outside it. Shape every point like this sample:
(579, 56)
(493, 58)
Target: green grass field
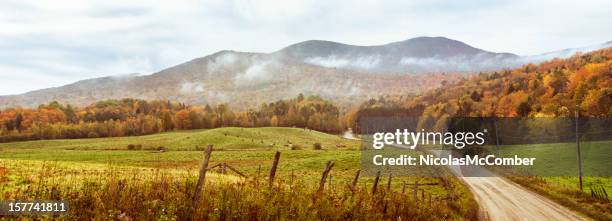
(231, 138)
(244, 148)
(77, 163)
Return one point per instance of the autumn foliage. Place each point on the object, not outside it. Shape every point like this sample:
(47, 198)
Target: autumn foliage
(131, 117)
(551, 89)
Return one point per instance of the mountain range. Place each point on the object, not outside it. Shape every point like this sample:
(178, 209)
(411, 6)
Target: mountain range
(341, 72)
(417, 55)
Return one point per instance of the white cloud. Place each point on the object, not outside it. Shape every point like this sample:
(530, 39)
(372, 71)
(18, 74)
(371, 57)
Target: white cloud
(66, 41)
(259, 71)
(222, 61)
(359, 62)
(191, 88)
(330, 62)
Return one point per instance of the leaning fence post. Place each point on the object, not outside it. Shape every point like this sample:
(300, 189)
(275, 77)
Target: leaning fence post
(273, 169)
(202, 176)
(604, 193)
(376, 182)
(236, 171)
(328, 168)
(354, 184)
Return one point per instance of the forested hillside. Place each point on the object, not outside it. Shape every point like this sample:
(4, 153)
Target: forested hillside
(129, 117)
(551, 89)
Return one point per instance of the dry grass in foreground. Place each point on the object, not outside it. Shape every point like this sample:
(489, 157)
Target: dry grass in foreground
(166, 196)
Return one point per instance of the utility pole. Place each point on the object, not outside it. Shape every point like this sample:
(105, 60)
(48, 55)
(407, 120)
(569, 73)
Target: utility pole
(577, 115)
(496, 137)
(495, 127)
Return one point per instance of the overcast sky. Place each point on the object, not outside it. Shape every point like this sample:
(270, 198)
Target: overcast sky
(52, 43)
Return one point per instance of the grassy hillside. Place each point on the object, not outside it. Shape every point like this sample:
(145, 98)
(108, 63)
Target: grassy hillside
(231, 138)
(244, 148)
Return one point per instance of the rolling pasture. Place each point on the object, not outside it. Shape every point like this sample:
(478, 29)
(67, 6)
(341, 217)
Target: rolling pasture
(153, 177)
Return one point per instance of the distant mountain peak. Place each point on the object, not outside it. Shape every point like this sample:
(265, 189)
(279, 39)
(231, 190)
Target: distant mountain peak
(429, 39)
(416, 55)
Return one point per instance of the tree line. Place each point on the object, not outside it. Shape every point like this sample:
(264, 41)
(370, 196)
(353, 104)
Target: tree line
(132, 117)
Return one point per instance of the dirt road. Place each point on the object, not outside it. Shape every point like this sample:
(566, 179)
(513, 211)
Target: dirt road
(349, 135)
(501, 199)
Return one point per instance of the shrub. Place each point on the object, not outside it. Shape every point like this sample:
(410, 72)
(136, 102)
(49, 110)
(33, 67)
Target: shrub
(295, 147)
(93, 135)
(134, 147)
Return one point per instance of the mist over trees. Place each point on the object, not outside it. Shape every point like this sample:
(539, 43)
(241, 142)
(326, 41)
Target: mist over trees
(551, 89)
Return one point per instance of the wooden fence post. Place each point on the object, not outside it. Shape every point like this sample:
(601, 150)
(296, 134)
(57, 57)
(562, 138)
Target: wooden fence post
(376, 182)
(291, 181)
(415, 190)
(328, 168)
(389, 182)
(354, 184)
(258, 175)
(273, 169)
(605, 194)
(202, 176)
(423, 195)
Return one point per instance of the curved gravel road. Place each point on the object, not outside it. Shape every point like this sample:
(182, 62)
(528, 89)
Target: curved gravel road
(501, 199)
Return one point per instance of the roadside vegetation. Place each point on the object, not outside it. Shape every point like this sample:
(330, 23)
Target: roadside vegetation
(555, 175)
